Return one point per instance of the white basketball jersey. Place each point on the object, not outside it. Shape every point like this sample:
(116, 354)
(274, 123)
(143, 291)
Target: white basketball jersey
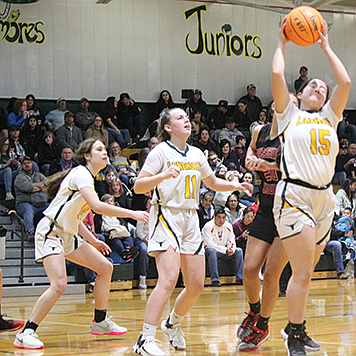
(68, 208)
(309, 144)
(181, 192)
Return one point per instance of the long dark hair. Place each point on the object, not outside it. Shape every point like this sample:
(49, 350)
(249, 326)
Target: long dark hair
(34, 106)
(346, 187)
(53, 182)
(109, 108)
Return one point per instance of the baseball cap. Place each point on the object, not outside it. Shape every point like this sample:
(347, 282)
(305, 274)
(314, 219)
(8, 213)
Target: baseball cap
(197, 91)
(250, 86)
(223, 103)
(84, 99)
(60, 99)
(344, 145)
(26, 158)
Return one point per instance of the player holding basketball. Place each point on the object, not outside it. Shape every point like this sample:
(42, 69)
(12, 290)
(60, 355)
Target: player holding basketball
(175, 171)
(304, 200)
(61, 235)
(263, 243)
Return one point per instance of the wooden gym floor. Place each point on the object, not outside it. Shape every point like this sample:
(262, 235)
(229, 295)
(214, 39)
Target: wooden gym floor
(210, 327)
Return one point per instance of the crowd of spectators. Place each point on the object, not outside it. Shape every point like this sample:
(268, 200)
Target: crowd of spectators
(34, 146)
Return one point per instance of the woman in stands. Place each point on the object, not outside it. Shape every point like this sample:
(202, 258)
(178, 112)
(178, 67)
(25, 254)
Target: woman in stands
(97, 131)
(345, 197)
(304, 202)
(175, 171)
(61, 235)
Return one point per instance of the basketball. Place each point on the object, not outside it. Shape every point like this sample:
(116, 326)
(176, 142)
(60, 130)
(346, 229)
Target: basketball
(302, 25)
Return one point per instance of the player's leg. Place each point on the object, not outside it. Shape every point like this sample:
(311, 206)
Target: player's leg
(168, 265)
(276, 260)
(193, 269)
(56, 272)
(256, 252)
(8, 324)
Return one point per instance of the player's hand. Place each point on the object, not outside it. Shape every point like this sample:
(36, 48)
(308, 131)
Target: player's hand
(324, 38)
(102, 247)
(172, 172)
(244, 187)
(141, 215)
(282, 35)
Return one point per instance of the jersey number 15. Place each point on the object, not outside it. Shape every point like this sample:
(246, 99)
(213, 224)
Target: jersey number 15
(319, 142)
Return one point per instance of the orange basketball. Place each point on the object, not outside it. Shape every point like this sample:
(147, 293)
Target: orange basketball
(302, 25)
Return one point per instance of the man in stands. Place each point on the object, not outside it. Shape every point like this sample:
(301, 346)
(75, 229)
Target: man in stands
(253, 102)
(68, 134)
(55, 118)
(30, 197)
(84, 118)
(219, 240)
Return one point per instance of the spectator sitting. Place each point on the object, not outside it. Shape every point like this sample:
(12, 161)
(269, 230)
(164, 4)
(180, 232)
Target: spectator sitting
(204, 142)
(242, 228)
(345, 225)
(164, 101)
(21, 146)
(219, 241)
(120, 238)
(97, 131)
(253, 102)
(55, 118)
(334, 246)
(34, 110)
(232, 209)
(303, 78)
(262, 120)
(10, 107)
(68, 134)
(214, 161)
(129, 113)
(49, 149)
(9, 166)
(243, 118)
(117, 192)
(351, 171)
(196, 102)
(206, 209)
(136, 166)
(152, 143)
(240, 149)
(230, 132)
(345, 127)
(102, 186)
(121, 163)
(218, 117)
(342, 163)
(66, 161)
(33, 133)
(226, 155)
(345, 197)
(111, 122)
(3, 121)
(196, 126)
(245, 199)
(84, 118)
(18, 117)
(30, 197)
(141, 241)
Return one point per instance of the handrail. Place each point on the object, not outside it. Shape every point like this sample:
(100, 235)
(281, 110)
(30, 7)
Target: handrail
(22, 237)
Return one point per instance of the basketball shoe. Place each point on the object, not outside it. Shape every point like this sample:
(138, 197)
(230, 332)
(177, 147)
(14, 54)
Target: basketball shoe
(245, 327)
(147, 347)
(28, 340)
(309, 343)
(175, 334)
(106, 327)
(295, 344)
(253, 340)
(10, 325)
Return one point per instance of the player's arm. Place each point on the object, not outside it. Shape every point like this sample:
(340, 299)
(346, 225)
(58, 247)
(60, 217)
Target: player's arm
(99, 207)
(147, 181)
(221, 185)
(340, 94)
(89, 237)
(279, 85)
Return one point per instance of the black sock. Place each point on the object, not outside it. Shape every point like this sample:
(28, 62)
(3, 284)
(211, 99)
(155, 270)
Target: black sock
(262, 323)
(296, 328)
(255, 308)
(99, 315)
(30, 325)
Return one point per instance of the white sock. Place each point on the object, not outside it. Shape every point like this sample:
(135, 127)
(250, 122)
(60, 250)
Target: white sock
(148, 330)
(175, 318)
